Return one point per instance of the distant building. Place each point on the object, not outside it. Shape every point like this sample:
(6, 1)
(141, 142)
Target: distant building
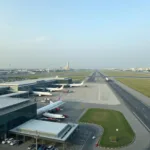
(67, 66)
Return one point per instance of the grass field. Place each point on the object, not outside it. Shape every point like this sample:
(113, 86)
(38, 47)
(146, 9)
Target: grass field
(110, 120)
(140, 85)
(125, 73)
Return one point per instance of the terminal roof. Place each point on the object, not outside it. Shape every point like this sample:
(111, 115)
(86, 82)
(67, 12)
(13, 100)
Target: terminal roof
(14, 94)
(29, 82)
(7, 101)
(45, 129)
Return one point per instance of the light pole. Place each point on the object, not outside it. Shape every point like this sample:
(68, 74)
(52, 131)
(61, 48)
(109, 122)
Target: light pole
(36, 140)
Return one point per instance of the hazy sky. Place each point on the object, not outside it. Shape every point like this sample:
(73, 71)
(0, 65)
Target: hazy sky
(87, 33)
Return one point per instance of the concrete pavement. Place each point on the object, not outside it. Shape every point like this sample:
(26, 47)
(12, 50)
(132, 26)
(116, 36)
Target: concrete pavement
(142, 139)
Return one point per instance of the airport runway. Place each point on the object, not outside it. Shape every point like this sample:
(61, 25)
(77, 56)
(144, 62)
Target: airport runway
(139, 109)
(142, 77)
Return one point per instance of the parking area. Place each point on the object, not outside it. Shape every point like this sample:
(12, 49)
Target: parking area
(25, 145)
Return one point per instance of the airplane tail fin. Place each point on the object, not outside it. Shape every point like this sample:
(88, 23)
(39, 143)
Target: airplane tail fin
(59, 99)
(82, 82)
(62, 87)
(51, 102)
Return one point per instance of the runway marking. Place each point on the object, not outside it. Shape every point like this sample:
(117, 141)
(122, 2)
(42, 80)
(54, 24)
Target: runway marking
(142, 122)
(99, 93)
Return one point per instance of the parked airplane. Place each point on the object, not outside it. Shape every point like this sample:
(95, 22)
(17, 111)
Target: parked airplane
(56, 116)
(62, 84)
(41, 92)
(55, 89)
(72, 84)
(50, 119)
(76, 84)
(50, 107)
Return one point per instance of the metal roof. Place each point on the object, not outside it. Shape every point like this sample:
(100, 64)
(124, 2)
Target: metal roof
(18, 82)
(34, 81)
(7, 101)
(46, 129)
(4, 87)
(14, 94)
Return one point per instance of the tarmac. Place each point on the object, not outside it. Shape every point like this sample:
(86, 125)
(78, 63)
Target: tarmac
(94, 93)
(98, 94)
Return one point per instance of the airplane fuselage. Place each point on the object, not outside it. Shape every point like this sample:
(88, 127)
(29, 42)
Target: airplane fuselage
(50, 107)
(42, 93)
(55, 89)
(56, 116)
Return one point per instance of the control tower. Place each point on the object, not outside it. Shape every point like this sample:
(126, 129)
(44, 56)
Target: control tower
(67, 66)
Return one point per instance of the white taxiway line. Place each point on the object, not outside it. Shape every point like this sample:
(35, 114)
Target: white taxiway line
(99, 93)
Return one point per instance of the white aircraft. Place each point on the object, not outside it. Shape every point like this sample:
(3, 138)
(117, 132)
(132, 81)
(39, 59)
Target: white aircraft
(52, 106)
(55, 89)
(76, 84)
(72, 84)
(39, 93)
(50, 119)
(56, 116)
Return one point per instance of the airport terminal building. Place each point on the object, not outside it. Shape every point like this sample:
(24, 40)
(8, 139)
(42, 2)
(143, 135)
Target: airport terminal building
(52, 131)
(4, 90)
(29, 85)
(13, 112)
(18, 115)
